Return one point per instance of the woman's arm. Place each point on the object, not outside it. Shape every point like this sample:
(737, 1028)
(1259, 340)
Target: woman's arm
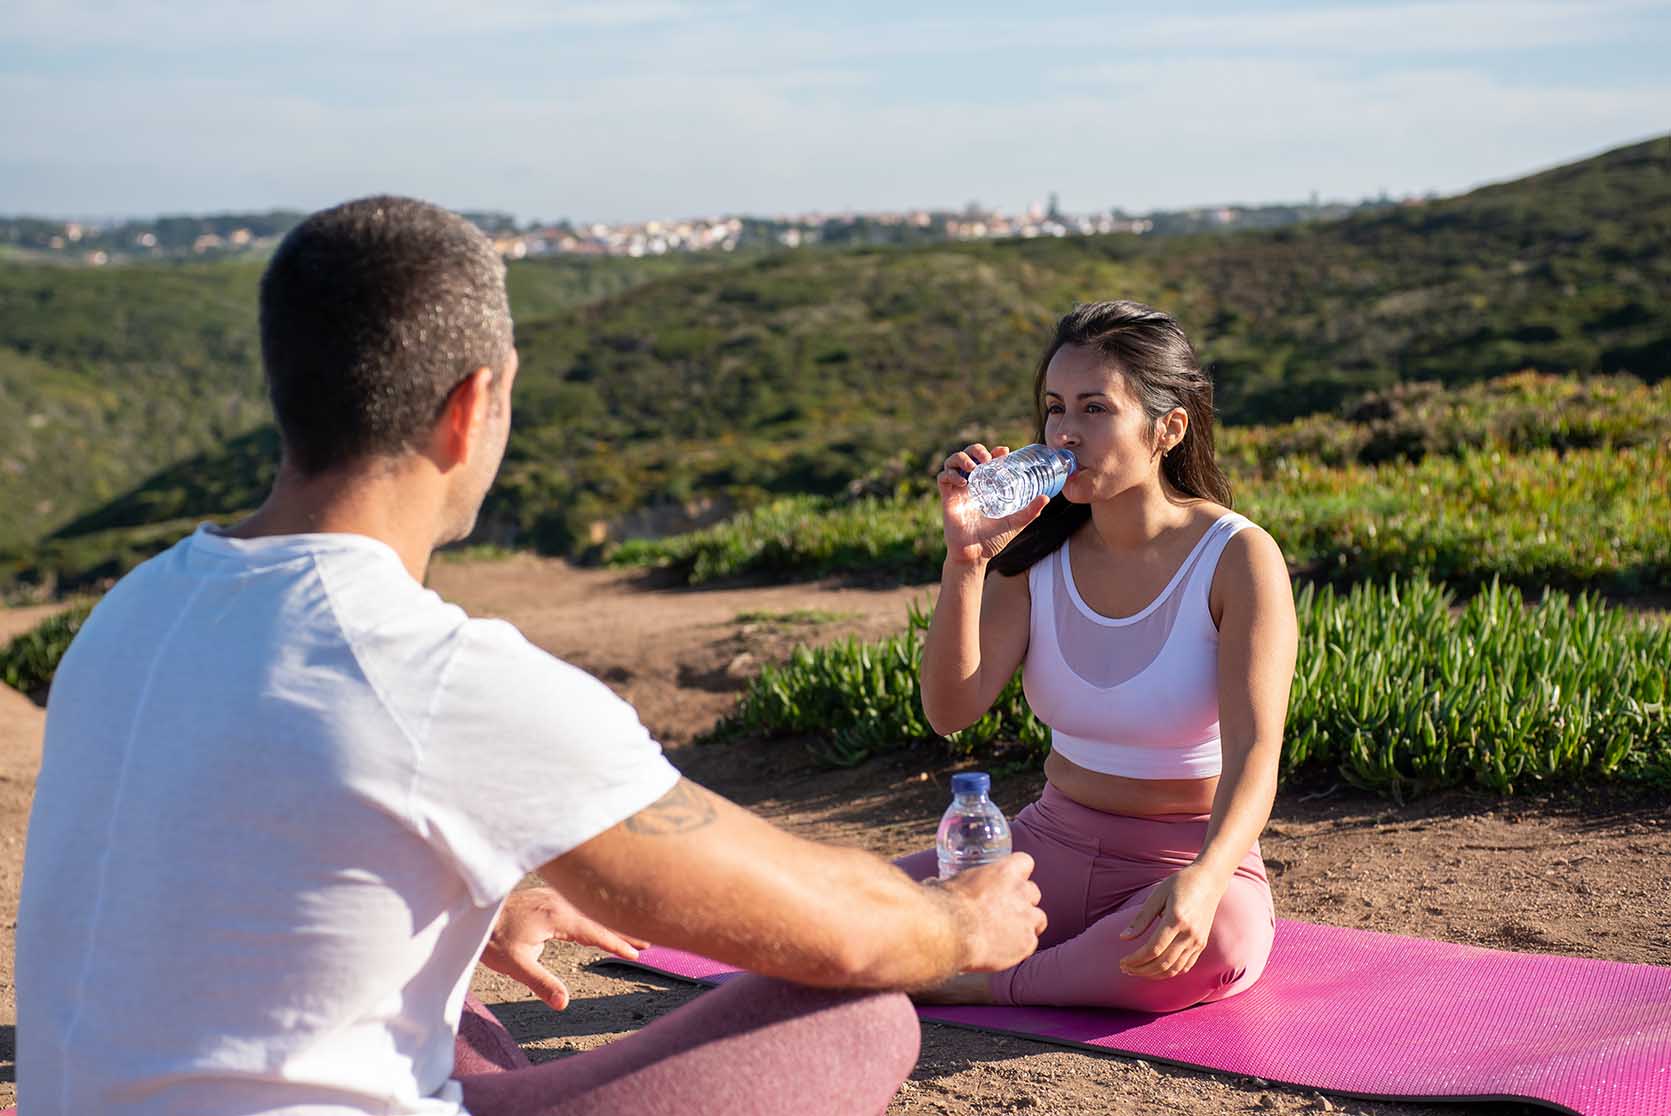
(1258, 639)
(979, 631)
(974, 643)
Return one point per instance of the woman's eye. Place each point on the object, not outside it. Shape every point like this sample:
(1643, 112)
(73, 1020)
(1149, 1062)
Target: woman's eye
(1053, 409)
(1093, 407)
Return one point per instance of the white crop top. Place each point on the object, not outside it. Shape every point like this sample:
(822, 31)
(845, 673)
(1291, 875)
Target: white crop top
(1135, 696)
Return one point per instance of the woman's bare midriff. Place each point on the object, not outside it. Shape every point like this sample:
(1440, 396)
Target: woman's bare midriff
(1116, 794)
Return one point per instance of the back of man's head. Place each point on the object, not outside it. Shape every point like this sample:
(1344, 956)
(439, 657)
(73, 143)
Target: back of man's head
(371, 313)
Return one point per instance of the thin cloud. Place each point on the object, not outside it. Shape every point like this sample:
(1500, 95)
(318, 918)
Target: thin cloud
(156, 23)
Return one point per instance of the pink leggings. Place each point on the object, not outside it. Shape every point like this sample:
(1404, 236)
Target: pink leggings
(1095, 870)
(752, 1047)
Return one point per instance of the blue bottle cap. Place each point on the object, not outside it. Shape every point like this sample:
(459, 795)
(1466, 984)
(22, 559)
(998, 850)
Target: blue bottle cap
(971, 782)
(1073, 462)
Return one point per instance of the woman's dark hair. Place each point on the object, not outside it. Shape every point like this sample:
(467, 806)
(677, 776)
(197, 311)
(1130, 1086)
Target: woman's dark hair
(1151, 352)
(371, 314)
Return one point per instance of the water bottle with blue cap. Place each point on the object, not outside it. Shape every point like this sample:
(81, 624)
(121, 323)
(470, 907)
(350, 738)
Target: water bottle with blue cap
(1006, 484)
(972, 830)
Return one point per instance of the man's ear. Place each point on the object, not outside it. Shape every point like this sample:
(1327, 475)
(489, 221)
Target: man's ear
(463, 417)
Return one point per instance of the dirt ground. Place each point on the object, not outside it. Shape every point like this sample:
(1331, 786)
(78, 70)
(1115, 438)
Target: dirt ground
(1585, 874)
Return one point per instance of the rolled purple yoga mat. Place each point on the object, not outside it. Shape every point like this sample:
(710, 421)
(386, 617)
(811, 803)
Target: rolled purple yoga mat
(1385, 1017)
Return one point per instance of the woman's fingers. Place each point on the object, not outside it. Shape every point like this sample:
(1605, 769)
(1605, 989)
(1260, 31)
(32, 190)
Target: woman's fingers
(1017, 520)
(1147, 913)
(1177, 959)
(1145, 959)
(964, 460)
(958, 467)
(1173, 951)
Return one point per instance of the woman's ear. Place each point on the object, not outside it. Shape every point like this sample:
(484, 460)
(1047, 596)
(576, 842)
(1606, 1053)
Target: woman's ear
(1173, 426)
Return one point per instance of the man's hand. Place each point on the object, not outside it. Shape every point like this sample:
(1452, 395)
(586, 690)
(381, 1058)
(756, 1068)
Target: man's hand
(536, 915)
(1003, 921)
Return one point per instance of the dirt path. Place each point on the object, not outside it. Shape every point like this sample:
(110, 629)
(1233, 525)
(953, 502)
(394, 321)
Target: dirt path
(1582, 874)
(20, 758)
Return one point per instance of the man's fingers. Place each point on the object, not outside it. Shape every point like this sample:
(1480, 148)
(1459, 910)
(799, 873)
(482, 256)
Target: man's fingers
(597, 934)
(539, 980)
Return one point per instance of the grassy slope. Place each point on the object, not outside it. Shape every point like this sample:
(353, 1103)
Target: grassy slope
(730, 381)
(111, 378)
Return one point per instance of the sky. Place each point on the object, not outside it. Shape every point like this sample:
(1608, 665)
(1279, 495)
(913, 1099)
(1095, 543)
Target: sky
(636, 109)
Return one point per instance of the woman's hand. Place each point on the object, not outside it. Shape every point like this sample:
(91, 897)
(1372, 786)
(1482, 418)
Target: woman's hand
(971, 537)
(1181, 907)
(534, 916)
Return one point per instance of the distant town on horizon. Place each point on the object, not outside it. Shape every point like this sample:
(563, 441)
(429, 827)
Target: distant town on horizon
(97, 243)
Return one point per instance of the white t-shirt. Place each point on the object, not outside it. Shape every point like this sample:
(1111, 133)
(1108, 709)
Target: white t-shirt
(285, 791)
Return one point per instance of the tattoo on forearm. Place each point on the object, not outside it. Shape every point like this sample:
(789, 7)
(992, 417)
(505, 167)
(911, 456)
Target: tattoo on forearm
(680, 810)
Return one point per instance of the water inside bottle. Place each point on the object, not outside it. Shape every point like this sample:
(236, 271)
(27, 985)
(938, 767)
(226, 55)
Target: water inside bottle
(973, 830)
(1005, 485)
(999, 494)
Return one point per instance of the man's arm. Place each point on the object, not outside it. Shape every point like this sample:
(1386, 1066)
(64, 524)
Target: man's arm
(696, 872)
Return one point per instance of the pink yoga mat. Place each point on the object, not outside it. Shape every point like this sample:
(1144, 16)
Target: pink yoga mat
(1384, 1017)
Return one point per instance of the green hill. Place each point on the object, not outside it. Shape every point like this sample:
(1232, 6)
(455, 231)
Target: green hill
(819, 372)
(106, 376)
(110, 375)
(658, 394)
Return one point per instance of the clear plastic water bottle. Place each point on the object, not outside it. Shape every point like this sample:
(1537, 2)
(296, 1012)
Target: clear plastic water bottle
(1005, 485)
(972, 830)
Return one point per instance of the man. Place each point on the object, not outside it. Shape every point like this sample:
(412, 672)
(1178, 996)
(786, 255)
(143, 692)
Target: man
(286, 790)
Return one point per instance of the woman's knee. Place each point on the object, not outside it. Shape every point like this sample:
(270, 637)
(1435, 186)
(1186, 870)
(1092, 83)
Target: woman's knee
(1240, 941)
(1233, 957)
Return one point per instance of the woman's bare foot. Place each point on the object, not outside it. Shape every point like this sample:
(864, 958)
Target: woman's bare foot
(964, 988)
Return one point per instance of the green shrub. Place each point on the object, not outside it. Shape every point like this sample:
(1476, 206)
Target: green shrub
(1513, 414)
(1395, 689)
(1585, 519)
(28, 662)
(803, 536)
(1590, 519)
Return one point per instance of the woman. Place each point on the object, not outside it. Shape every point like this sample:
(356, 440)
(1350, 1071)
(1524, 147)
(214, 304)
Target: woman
(1156, 633)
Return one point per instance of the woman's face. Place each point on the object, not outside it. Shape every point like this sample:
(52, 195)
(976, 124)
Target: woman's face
(1090, 409)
